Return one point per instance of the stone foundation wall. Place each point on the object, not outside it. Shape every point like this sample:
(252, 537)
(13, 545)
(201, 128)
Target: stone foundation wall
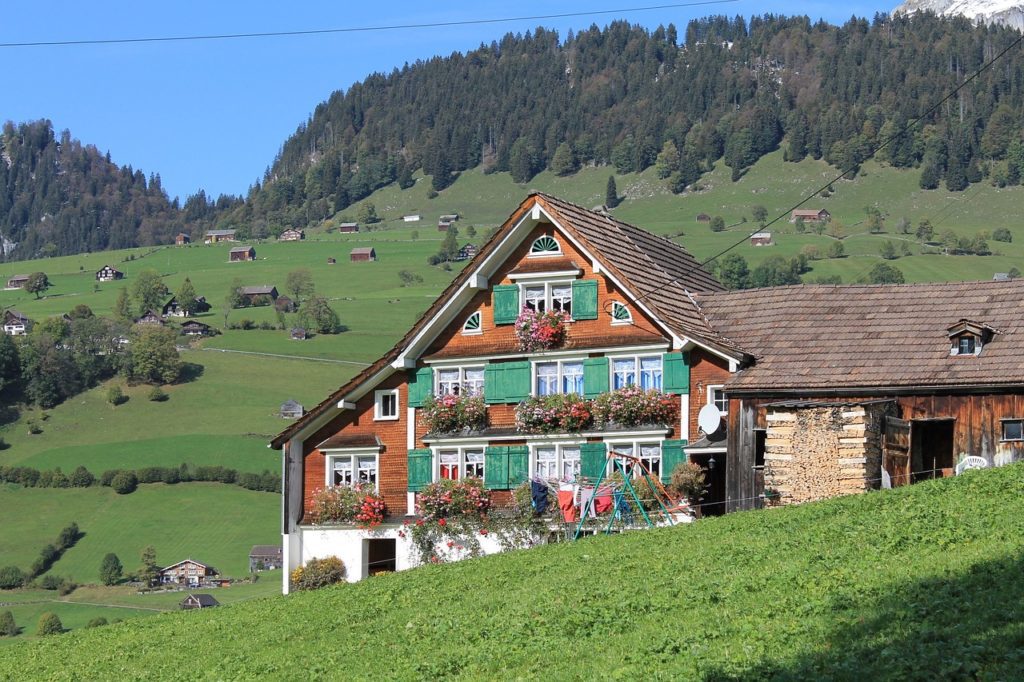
(821, 451)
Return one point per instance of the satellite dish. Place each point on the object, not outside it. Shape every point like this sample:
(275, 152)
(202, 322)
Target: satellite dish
(709, 419)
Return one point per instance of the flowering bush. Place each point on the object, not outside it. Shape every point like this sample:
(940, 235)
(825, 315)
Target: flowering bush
(554, 413)
(318, 573)
(688, 481)
(454, 499)
(540, 331)
(634, 406)
(343, 504)
(450, 413)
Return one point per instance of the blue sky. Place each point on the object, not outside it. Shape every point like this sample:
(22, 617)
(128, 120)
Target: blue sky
(213, 114)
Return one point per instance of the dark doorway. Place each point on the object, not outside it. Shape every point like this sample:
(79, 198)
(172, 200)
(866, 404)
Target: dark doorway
(931, 449)
(760, 441)
(713, 464)
(380, 556)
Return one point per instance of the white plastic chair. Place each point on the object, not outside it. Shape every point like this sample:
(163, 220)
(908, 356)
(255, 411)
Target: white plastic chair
(971, 462)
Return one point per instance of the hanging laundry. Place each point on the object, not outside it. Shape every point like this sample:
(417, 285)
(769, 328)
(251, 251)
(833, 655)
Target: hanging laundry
(622, 510)
(586, 495)
(603, 501)
(539, 497)
(567, 504)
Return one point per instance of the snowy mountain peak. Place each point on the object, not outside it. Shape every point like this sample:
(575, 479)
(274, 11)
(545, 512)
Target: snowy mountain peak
(1008, 12)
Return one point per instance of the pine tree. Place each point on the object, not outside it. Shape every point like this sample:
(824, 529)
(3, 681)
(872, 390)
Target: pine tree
(929, 176)
(442, 177)
(122, 311)
(611, 193)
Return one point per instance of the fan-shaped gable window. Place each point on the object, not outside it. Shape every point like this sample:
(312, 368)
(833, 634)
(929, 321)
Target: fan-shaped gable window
(472, 324)
(545, 246)
(620, 313)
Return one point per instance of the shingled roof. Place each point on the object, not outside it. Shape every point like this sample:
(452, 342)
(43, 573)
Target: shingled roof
(658, 270)
(842, 337)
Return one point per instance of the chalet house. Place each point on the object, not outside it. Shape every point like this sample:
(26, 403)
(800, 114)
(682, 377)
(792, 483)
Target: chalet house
(285, 304)
(152, 318)
(292, 409)
(198, 601)
(15, 323)
(761, 239)
(265, 558)
(188, 572)
(332, 261)
(172, 309)
(254, 293)
(17, 282)
(348, 227)
(241, 253)
(108, 273)
(633, 323)
(214, 236)
(292, 235)
(363, 254)
(181, 239)
(196, 328)
(466, 252)
(442, 226)
(297, 334)
(811, 215)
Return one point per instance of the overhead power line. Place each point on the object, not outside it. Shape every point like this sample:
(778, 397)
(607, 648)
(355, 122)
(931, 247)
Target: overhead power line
(359, 29)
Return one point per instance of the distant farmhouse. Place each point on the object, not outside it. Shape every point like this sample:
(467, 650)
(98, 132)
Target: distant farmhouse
(17, 282)
(443, 225)
(251, 294)
(172, 309)
(292, 235)
(703, 218)
(363, 253)
(449, 218)
(348, 227)
(196, 328)
(15, 323)
(151, 318)
(241, 254)
(761, 239)
(813, 215)
(198, 601)
(285, 304)
(265, 558)
(108, 273)
(466, 252)
(188, 572)
(214, 236)
(182, 239)
(413, 218)
(292, 409)
(298, 334)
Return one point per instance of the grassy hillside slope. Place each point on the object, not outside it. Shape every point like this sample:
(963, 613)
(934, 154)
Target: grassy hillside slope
(918, 583)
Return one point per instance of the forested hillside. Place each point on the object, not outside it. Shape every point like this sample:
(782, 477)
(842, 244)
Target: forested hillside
(727, 90)
(632, 98)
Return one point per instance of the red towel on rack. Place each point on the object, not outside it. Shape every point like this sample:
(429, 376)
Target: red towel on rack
(603, 501)
(565, 503)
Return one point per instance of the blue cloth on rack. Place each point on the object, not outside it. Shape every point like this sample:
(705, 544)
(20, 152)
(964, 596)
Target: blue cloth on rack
(622, 510)
(538, 497)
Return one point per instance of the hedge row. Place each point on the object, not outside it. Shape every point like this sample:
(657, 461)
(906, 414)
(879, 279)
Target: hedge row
(125, 481)
(12, 576)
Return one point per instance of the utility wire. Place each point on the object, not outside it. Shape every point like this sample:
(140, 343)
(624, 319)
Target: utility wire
(359, 29)
(984, 67)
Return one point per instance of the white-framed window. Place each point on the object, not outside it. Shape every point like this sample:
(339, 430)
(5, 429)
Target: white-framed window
(457, 463)
(620, 313)
(472, 325)
(352, 468)
(556, 461)
(558, 376)
(460, 380)
(385, 405)
(716, 397)
(545, 245)
(637, 370)
(1013, 429)
(649, 452)
(544, 296)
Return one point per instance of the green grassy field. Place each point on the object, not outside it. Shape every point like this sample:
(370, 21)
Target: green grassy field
(918, 583)
(213, 523)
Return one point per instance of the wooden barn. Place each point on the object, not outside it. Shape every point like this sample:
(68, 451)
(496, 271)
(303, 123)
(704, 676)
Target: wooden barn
(151, 318)
(348, 228)
(332, 261)
(449, 218)
(443, 226)
(285, 304)
(412, 218)
(198, 601)
(241, 253)
(254, 293)
(363, 253)
(16, 323)
(292, 235)
(703, 218)
(181, 239)
(761, 239)
(265, 558)
(17, 281)
(215, 236)
(810, 215)
(196, 328)
(297, 334)
(108, 273)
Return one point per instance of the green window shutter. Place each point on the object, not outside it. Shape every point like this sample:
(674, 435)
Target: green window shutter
(676, 372)
(506, 303)
(671, 455)
(494, 383)
(421, 385)
(592, 459)
(421, 469)
(496, 468)
(595, 377)
(518, 380)
(584, 299)
(518, 465)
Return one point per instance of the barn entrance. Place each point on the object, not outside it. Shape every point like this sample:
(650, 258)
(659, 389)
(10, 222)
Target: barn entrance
(381, 556)
(931, 451)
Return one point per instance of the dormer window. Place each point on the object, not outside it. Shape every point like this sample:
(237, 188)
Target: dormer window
(967, 338)
(545, 246)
